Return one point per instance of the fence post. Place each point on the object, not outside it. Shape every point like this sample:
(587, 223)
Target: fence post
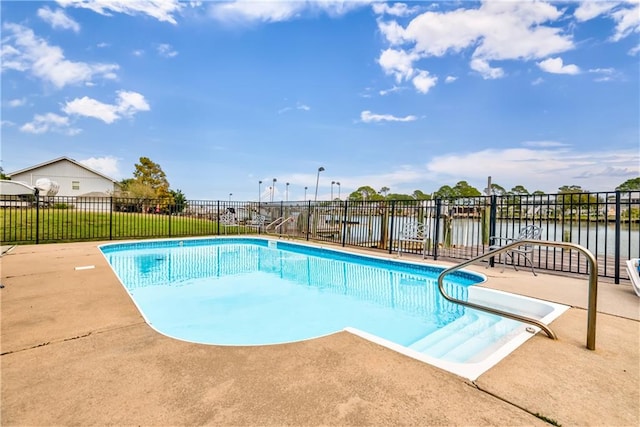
(616, 267)
(436, 237)
(111, 218)
(344, 225)
(393, 216)
(218, 217)
(169, 208)
(308, 218)
(37, 193)
(492, 224)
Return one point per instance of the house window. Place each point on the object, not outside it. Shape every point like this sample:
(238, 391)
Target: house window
(75, 185)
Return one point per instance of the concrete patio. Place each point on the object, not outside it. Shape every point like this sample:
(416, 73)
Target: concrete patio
(76, 351)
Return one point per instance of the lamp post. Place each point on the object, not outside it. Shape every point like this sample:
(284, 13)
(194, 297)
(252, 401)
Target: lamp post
(320, 169)
(305, 193)
(332, 184)
(273, 188)
(230, 194)
(338, 184)
(286, 192)
(259, 194)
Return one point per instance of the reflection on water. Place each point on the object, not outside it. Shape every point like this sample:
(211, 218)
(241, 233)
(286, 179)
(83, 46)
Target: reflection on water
(412, 292)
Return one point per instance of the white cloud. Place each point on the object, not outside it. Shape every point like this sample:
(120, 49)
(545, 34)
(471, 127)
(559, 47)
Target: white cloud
(423, 81)
(450, 79)
(485, 70)
(58, 19)
(544, 144)
(127, 105)
(49, 122)
(107, 165)
(162, 10)
(397, 9)
(6, 123)
(22, 50)
(19, 102)
(537, 81)
(604, 74)
(239, 11)
(394, 89)
(495, 31)
(398, 63)
(138, 52)
(392, 32)
(368, 117)
(556, 66)
(166, 50)
(592, 9)
(634, 50)
(299, 106)
(627, 21)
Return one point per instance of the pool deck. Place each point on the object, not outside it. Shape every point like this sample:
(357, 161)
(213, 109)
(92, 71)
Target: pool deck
(76, 351)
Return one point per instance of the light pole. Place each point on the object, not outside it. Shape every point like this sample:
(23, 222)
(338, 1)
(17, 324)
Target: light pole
(320, 169)
(305, 193)
(286, 192)
(259, 194)
(332, 184)
(230, 194)
(338, 184)
(273, 188)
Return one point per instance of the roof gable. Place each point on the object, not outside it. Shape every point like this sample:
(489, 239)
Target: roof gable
(62, 159)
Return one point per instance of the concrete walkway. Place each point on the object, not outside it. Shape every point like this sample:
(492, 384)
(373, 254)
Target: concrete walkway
(75, 351)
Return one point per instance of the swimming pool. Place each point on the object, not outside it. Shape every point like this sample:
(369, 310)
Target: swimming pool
(256, 291)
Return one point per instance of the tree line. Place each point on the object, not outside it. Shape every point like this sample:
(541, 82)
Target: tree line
(464, 189)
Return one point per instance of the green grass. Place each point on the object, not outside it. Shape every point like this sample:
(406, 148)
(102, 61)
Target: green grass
(64, 225)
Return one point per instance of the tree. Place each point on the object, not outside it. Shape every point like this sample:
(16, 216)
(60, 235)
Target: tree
(519, 190)
(632, 184)
(419, 195)
(179, 201)
(150, 174)
(575, 195)
(365, 193)
(463, 189)
(445, 192)
(397, 196)
(2, 175)
(384, 191)
(497, 190)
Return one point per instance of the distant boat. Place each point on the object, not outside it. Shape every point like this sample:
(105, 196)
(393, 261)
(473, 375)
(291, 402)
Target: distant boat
(633, 268)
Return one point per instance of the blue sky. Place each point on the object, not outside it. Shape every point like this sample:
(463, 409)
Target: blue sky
(407, 95)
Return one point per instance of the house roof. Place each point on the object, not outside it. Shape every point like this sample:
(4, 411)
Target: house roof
(60, 159)
(15, 188)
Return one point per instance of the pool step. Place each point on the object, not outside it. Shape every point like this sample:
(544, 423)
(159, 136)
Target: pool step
(465, 336)
(448, 332)
(478, 344)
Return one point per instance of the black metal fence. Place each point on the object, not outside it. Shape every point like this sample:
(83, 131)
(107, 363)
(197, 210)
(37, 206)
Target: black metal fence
(608, 224)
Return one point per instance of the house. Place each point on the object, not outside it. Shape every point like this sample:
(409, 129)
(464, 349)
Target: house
(74, 179)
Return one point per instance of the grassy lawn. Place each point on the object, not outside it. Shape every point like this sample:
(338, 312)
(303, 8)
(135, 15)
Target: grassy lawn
(62, 225)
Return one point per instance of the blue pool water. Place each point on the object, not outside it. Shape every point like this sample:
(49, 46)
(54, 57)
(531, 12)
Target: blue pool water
(240, 291)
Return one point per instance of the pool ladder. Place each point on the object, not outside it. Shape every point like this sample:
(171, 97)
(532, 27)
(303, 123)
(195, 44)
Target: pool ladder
(593, 287)
(278, 223)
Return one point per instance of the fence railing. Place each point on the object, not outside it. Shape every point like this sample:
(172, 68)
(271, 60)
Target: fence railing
(607, 224)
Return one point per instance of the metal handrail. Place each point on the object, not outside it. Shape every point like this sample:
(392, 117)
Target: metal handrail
(276, 221)
(593, 287)
(283, 222)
